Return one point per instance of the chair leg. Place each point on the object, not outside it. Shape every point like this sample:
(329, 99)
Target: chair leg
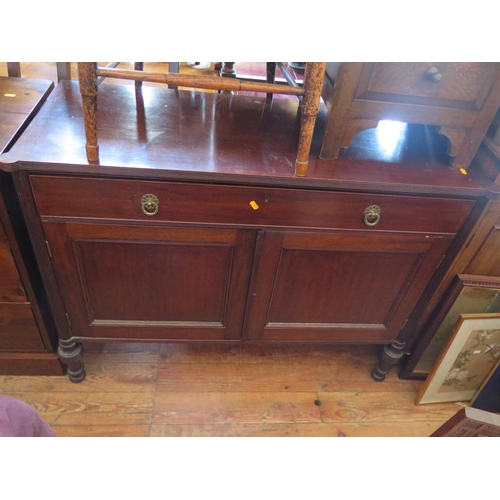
(87, 76)
(270, 75)
(313, 83)
(173, 67)
(138, 66)
(14, 69)
(63, 71)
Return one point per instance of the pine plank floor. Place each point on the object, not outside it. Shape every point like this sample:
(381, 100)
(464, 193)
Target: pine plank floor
(198, 390)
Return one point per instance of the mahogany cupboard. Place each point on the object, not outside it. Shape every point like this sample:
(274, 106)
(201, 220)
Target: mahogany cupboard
(193, 226)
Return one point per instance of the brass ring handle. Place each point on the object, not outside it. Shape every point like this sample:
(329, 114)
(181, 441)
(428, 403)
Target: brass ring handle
(372, 215)
(434, 75)
(150, 204)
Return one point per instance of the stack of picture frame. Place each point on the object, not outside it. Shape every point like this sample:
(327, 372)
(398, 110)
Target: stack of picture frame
(464, 350)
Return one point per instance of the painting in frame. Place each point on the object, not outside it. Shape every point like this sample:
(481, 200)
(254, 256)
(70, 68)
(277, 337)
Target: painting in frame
(467, 294)
(472, 352)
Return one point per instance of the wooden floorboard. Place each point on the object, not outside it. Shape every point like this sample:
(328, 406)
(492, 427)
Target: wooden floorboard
(199, 390)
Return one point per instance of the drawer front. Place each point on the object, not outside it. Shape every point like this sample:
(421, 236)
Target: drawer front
(18, 329)
(453, 84)
(91, 198)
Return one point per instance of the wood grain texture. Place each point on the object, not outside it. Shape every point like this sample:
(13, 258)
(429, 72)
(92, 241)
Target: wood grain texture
(18, 328)
(221, 407)
(120, 377)
(20, 100)
(329, 273)
(102, 430)
(349, 429)
(381, 406)
(30, 363)
(178, 390)
(221, 204)
(100, 408)
(11, 286)
(255, 377)
(138, 282)
(265, 133)
(198, 353)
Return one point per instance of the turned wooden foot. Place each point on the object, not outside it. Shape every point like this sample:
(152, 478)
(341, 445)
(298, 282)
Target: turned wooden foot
(71, 354)
(389, 356)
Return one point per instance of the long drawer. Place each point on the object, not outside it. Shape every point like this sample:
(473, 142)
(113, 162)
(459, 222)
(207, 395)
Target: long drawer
(98, 198)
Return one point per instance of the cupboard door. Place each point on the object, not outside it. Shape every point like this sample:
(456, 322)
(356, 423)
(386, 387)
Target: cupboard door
(151, 282)
(339, 287)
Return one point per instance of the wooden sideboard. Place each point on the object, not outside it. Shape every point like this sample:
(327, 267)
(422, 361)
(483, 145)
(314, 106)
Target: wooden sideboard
(193, 227)
(28, 337)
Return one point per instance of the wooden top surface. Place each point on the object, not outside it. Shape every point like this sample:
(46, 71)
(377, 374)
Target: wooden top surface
(20, 99)
(175, 134)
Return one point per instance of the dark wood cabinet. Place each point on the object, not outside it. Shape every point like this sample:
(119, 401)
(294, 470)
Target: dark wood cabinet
(27, 333)
(191, 281)
(229, 262)
(18, 327)
(28, 337)
(322, 277)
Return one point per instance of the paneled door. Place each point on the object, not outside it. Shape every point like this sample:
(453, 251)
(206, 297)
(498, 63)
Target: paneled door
(123, 281)
(339, 286)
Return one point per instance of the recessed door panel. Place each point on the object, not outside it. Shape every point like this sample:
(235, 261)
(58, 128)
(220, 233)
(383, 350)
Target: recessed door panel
(327, 286)
(339, 287)
(151, 282)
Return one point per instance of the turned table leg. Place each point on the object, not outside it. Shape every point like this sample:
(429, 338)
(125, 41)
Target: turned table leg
(389, 356)
(71, 354)
(87, 76)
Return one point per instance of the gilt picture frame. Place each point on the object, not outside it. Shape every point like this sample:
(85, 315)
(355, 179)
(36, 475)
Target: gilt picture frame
(467, 294)
(472, 352)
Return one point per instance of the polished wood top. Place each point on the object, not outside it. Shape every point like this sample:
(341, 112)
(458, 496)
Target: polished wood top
(20, 99)
(163, 133)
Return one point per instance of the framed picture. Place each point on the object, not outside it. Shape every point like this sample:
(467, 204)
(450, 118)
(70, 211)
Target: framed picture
(468, 294)
(471, 354)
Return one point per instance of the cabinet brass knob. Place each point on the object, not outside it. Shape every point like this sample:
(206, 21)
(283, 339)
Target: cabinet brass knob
(434, 75)
(372, 215)
(150, 204)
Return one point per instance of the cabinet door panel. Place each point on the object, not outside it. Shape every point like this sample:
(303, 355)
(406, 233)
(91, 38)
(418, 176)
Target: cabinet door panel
(149, 282)
(339, 287)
